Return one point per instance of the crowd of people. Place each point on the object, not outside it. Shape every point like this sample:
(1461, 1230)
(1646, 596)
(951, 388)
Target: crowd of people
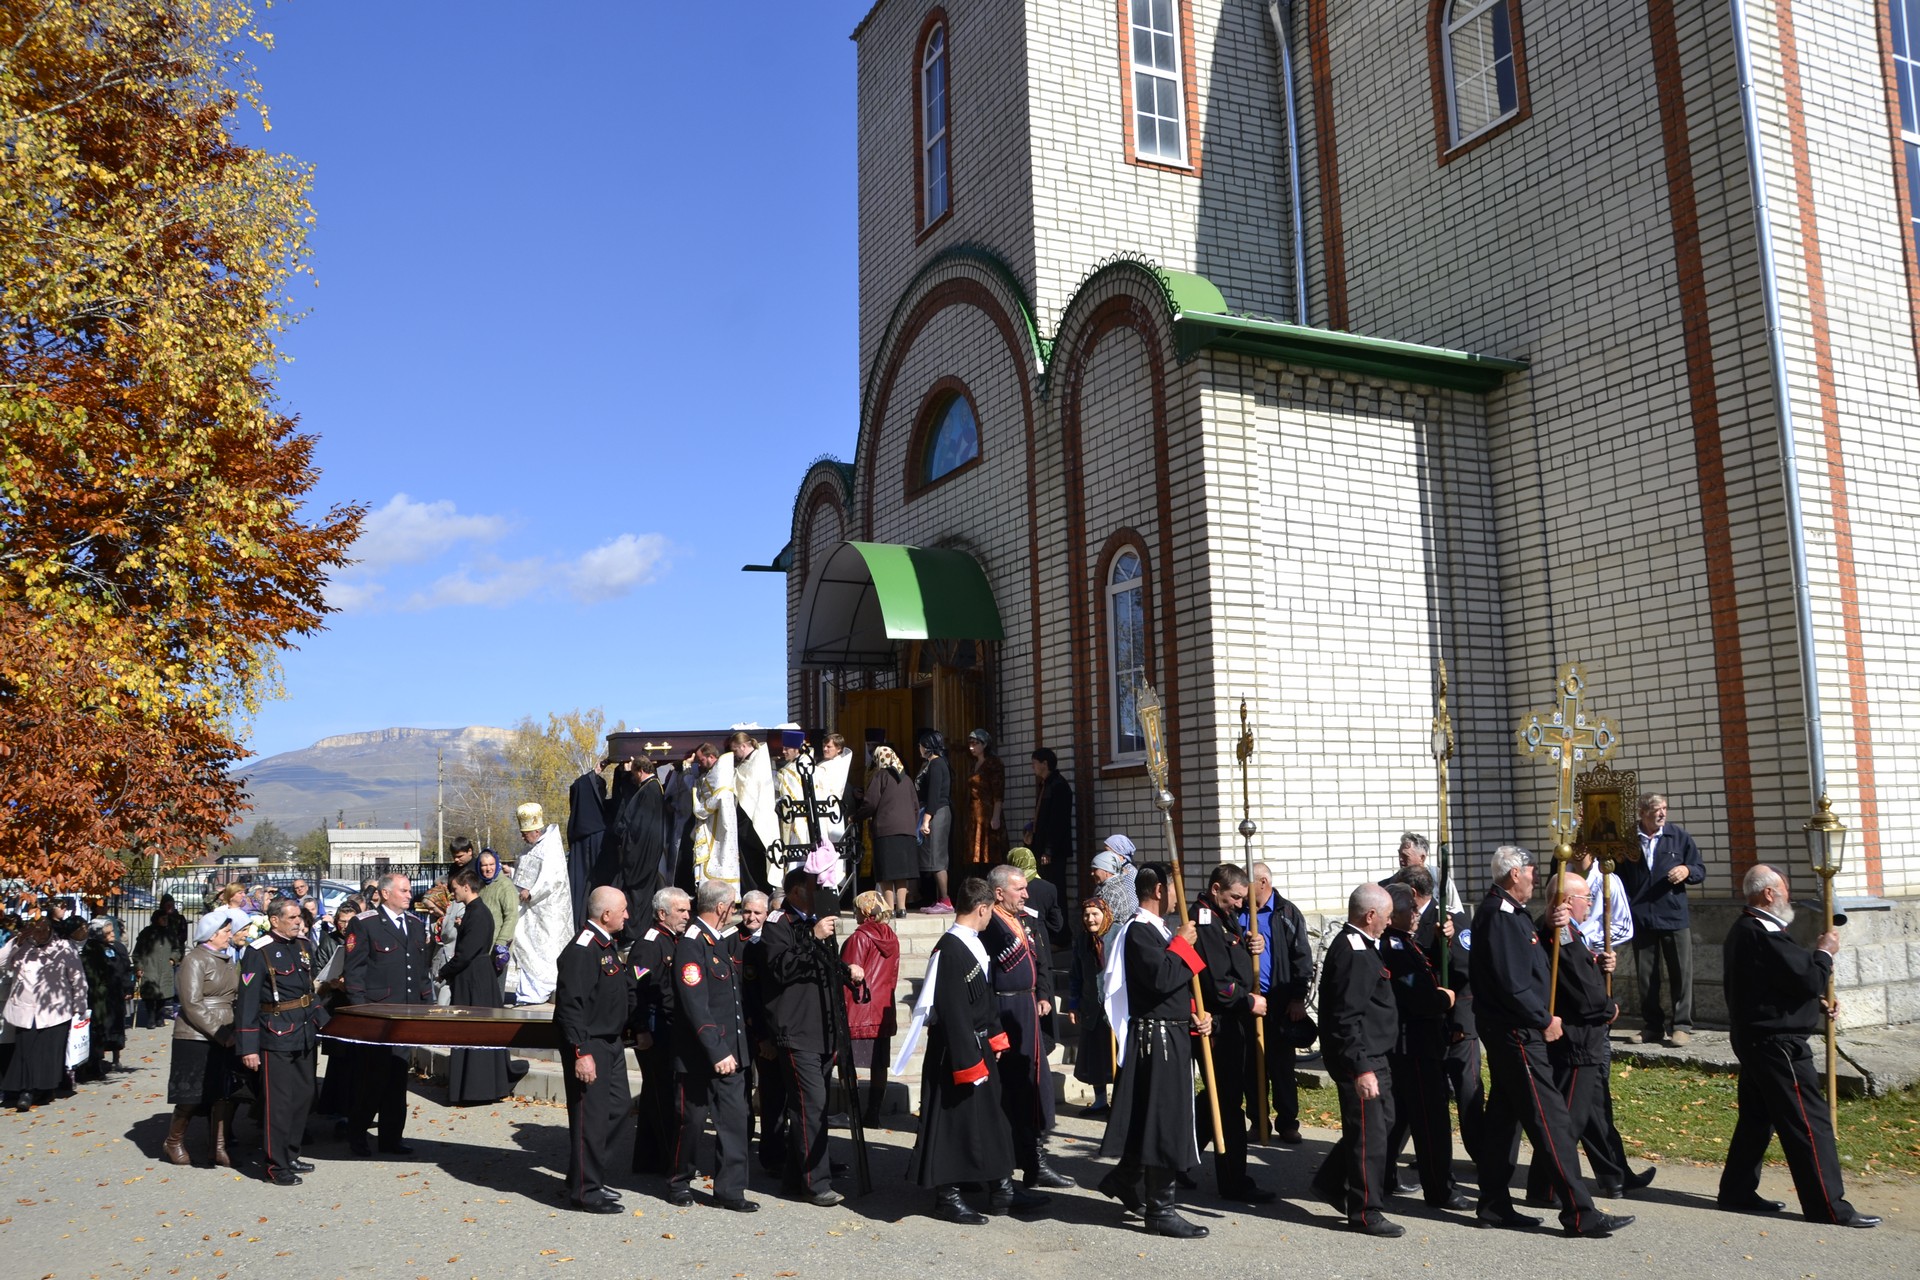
(743, 1009)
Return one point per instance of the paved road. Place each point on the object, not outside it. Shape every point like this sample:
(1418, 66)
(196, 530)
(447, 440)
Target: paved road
(83, 1193)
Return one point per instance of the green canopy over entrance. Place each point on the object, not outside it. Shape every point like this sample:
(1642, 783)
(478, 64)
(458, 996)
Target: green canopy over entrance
(865, 596)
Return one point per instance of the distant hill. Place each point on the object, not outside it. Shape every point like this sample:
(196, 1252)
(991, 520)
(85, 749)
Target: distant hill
(372, 777)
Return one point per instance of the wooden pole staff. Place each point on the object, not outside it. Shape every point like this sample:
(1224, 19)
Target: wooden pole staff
(1833, 1040)
(1606, 915)
(1561, 851)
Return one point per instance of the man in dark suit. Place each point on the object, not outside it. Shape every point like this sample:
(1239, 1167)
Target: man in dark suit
(710, 1053)
(387, 952)
(1656, 885)
(1051, 831)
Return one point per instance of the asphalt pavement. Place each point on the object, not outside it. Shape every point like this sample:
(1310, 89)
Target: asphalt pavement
(84, 1192)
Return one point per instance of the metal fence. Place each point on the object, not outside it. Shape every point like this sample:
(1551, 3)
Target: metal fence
(194, 889)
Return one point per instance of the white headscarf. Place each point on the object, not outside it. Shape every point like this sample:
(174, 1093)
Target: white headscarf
(215, 920)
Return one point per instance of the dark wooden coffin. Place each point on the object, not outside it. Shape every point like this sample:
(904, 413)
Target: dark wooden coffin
(442, 1026)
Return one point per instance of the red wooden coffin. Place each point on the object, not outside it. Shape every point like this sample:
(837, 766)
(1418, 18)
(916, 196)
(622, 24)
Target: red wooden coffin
(443, 1026)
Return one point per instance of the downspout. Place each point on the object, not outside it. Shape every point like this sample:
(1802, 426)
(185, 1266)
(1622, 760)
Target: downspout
(1783, 406)
(1280, 11)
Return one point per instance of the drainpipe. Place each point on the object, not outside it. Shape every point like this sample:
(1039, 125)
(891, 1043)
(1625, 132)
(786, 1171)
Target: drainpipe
(1783, 406)
(1280, 12)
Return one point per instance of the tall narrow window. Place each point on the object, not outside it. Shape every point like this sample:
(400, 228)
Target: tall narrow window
(949, 435)
(1482, 68)
(935, 196)
(1906, 73)
(1159, 89)
(1127, 652)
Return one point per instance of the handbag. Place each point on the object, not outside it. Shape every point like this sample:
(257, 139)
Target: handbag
(80, 1041)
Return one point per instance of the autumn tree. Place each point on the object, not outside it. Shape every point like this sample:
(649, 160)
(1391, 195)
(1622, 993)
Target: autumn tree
(543, 760)
(155, 550)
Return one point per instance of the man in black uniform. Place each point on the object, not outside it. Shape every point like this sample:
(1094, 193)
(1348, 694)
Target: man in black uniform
(1021, 970)
(1150, 970)
(1579, 1057)
(803, 972)
(387, 952)
(277, 1032)
(964, 1136)
(1776, 998)
(1359, 1023)
(710, 1050)
(1277, 936)
(1510, 982)
(769, 1080)
(1436, 933)
(1418, 1057)
(1230, 992)
(651, 958)
(593, 1000)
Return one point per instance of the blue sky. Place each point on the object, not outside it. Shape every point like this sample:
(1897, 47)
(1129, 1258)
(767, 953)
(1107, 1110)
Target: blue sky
(586, 309)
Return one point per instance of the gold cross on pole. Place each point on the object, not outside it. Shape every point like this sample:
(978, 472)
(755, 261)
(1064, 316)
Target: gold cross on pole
(1567, 736)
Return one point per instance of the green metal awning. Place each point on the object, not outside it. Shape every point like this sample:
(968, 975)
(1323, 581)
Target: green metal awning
(867, 596)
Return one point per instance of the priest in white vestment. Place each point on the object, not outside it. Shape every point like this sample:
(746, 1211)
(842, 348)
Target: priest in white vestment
(753, 794)
(716, 847)
(546, 906)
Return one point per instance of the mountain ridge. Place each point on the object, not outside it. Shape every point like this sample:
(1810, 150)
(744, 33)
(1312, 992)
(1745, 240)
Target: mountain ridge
(376, 777)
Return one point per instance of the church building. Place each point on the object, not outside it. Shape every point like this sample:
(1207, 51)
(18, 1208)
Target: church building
(1280, 352)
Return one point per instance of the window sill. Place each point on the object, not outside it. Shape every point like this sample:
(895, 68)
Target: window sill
(920, 237)
(1124, 769)
(1456, 150)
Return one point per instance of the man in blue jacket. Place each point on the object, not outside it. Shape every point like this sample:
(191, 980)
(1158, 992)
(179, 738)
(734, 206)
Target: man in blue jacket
(1656, 884)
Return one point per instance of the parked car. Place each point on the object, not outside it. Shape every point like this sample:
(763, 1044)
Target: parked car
(332, 892)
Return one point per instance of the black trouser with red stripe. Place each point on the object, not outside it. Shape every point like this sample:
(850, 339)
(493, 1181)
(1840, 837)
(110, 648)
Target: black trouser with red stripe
(1420, 1093)
(1580, 1087)
(1355, 1172)
(594, 1113)
(808, 1168)
(1522, 1097)
(286, 1096)
(1781, 1093)
(697, 1094)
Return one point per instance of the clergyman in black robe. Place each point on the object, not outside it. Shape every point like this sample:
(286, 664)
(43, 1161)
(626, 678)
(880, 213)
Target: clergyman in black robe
(635, 856)
(474, 1075)
(588, 811)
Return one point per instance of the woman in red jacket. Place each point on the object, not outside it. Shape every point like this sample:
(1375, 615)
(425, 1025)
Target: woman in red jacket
(870, 1021)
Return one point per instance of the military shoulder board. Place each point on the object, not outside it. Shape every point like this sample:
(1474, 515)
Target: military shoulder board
(1206, 916)
(263, 941)
(652, 934)
(1357, 941)
(728, 932)
(1030, 911)
(1506, 906)
(775, 917)
(586, 936)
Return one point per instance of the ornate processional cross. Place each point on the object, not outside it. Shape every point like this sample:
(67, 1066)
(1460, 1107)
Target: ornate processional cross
(1567, 736)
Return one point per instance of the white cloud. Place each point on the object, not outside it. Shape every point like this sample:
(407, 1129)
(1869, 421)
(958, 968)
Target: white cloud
(615, 568)
(493, 584)
(350, 596)
(408, 532)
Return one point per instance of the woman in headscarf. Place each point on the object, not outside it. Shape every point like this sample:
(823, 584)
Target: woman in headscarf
(474, 1075)
(200, 1078)
(156, 953)
(1113, 871)
(1042, 898)
(49, 991)
(502, 901)
(1086, 1003)
(893, 805)
(871, 1022)
(109, 981)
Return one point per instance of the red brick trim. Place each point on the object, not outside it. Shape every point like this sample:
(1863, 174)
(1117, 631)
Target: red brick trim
(826, 493)
(1189, 93)
(1902, 193)
(938, 396)
(1829, 400)
(1123, 312)
(971, 293)
(1442, 106)
(1703, 402)
(1333, 248)
(1122, 540)
(936, 17)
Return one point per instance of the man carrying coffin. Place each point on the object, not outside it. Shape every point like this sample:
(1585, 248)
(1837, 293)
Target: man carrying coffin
(964, 1137)
(1149, 981)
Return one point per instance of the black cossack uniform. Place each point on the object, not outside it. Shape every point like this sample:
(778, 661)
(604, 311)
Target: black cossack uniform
(651, 959)
(1227, 990)
(1418, 1062)
(709, 1027)
(1511, 975)
(277, 1016)
(1578, 1059)
(1774, 990)
(386, 964)
(1359, 1025)
(593, 1002)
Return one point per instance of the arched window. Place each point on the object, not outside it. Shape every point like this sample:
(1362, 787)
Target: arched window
(952, 438)
(935, 192)
(1483, 65)
(1127, 652)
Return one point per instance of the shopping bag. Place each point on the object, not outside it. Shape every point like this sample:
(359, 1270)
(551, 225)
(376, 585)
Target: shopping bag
(80, 1041)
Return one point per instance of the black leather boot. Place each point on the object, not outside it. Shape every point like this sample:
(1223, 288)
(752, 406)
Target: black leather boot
(1162, 1218)
(1122, 1183)
(1042, 1174)
(1004, 1198)
(949, 1207)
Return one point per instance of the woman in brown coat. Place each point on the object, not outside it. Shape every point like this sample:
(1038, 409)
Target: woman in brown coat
(200, 1080)
(893, 805)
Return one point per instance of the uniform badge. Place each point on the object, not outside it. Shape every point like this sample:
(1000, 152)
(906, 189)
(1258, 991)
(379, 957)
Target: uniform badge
(610, 964)
(245, 978)
(353, 940)
(690, 974)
